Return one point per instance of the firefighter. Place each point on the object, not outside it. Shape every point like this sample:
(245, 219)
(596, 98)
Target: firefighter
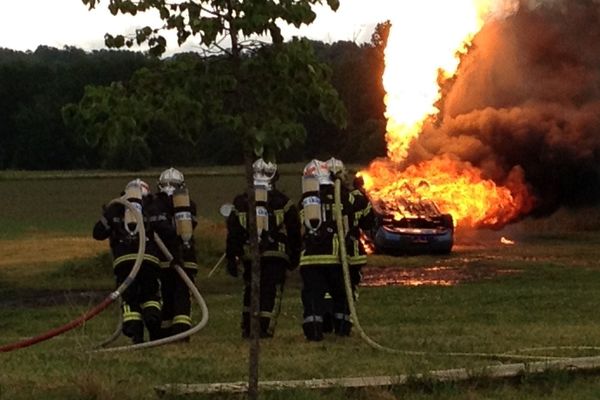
(320, 262)
(141, 301)
(170, 214)
(278, 227)
(362, 219)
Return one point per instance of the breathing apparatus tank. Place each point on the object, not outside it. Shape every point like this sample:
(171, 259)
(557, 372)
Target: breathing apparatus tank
(338, 172)
(134, 191)
(183, 215)
(264, 173)
(315, 174)
(262, 214)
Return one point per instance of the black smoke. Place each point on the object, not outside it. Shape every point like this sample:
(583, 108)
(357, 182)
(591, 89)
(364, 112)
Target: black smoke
(527, 96)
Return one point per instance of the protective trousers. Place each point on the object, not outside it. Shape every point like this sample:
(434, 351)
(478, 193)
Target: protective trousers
(177, 307)
(318, 280)
(141, 301)
(328, 320)
(272, 280)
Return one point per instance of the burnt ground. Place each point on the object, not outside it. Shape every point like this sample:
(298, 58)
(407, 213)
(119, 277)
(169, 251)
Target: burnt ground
(474, 257)
(433, 275)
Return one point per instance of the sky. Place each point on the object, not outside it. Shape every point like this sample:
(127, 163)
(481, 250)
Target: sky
(26, 24)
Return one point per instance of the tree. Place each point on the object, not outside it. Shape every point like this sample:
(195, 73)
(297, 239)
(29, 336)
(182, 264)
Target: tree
(35, 86)
(265, 87)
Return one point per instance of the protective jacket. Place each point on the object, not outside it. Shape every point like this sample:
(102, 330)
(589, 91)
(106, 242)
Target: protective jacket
(361, 219)
(123, 245)
(141, 300)
(279, 250)
(322, 245)
(280, 241)
(321, 265)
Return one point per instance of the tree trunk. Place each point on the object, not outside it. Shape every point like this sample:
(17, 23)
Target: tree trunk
(255, 283)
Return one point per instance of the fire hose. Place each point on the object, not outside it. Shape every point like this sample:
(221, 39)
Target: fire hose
(117, 332)
(182, 335)
(354, 315)
(107, 301)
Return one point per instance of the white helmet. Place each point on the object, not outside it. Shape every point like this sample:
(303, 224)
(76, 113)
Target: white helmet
(144, 188)
(170, 180)
(264, 172)
(320, 170)
(336, 167)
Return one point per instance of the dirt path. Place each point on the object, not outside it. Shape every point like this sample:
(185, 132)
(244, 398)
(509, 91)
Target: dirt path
(46, 249)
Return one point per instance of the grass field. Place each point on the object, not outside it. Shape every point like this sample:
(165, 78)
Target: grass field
(540, 292)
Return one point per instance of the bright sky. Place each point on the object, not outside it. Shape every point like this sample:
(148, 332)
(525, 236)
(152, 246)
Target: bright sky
(25, 24)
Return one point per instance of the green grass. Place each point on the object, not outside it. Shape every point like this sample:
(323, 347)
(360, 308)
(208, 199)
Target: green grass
(70, 202)
(550, 300)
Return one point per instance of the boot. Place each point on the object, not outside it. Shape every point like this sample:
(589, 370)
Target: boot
(180, 328)
(265, 328)
(327, 323)
(342, 326)
(134, 330)
(138, 339)
(152, 320)
(313, 331)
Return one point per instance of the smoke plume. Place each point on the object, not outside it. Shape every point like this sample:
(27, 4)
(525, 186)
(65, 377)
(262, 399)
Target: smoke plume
(527, 96)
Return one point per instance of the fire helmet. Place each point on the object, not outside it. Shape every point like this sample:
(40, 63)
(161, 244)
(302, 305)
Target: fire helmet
(319, 170)
(144, 188)
(170, 180)
(264, 173)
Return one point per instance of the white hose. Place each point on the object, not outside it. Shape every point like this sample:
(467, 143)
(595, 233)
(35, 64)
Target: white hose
(354, 315)
(141, 247)
(182, 335)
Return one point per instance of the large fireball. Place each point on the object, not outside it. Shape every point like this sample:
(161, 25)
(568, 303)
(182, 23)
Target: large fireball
(424, 48)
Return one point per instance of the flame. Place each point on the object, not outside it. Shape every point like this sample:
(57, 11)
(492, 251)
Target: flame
(506, 241)
(456, 187)
(425, 41)
(425, 44)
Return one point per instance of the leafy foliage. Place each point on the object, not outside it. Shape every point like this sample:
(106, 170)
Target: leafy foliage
(187, 99)
(268, 82)
(209, 20)
(36, 85)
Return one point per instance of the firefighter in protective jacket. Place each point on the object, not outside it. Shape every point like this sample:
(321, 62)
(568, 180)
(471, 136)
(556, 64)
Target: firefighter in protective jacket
(278, 227)
(320, 261)
(362, 219)
(173, 208)
(141, 300)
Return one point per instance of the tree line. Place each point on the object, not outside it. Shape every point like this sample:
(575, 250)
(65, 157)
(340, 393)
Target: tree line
(72, 109)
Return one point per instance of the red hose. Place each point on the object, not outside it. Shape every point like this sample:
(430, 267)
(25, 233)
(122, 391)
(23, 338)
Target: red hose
(106, 302)
(57, 331)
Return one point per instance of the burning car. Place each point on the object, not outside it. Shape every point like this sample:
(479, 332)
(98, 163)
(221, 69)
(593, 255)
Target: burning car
(409, 226)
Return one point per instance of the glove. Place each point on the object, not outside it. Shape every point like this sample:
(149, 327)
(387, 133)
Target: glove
(232, 267)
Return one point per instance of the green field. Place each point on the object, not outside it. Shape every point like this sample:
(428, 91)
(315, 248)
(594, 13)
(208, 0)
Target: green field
(540, 292)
